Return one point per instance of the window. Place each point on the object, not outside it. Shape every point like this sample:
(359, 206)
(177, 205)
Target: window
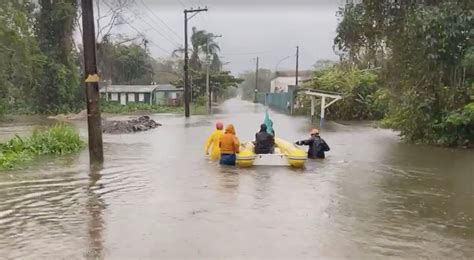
(173, 95)
(131, 97)
(114, 96)
(141, 97)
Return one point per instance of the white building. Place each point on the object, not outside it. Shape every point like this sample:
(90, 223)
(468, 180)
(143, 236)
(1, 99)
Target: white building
(283, 79)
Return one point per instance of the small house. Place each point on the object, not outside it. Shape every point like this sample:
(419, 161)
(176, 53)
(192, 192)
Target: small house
(148, 94)
(169, 95)
(283, 79)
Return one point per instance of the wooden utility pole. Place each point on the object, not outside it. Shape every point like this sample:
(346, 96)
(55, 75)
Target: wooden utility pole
(187, 96)
(256, 84)
(297, 61)
(96, 152)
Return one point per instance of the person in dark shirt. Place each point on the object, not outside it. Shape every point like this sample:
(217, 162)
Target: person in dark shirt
(264, 141)
(317, 146)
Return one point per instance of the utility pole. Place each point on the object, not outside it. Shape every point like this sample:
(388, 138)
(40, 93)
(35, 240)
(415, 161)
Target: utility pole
(186, 58)
(256, 84)
(208, 61)
(297, 61)
(96, 152)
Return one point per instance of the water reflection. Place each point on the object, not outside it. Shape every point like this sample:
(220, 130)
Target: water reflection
(95, 207)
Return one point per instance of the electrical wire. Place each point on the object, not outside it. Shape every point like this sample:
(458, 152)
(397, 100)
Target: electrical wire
(150, 41)
(161, 20)
(174, 44)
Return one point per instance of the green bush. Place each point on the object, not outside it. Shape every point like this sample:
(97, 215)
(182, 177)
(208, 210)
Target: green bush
(455, 128)
(57, 140)
(363, 99)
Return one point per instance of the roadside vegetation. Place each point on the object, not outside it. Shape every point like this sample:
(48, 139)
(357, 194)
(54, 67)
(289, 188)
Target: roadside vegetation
(41, 66)
(409, 64)
(423, 56)
(363, 98)
(56, 140)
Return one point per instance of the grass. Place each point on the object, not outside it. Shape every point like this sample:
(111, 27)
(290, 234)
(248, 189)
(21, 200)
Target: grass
(56, 140)
(116, 108)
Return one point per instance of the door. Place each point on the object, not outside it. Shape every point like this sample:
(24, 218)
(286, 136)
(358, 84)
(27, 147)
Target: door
(123, 98)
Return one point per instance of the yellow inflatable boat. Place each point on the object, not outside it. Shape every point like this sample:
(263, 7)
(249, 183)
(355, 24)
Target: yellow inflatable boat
(286, 154)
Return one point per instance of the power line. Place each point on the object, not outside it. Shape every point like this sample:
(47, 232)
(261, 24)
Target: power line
(124, 20)
(175, 44)
(138, 31)
(161, 20)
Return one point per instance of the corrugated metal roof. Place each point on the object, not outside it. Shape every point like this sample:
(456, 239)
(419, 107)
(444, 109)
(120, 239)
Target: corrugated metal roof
(138, 88)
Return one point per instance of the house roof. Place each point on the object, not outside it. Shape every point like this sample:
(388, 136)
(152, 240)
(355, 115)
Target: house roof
(138, 88)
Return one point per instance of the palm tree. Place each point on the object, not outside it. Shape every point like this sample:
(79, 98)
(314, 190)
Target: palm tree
(199, 41)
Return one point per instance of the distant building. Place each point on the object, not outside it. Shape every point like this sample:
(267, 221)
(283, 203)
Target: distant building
(165, 94)
(169, 95)
(283, 79)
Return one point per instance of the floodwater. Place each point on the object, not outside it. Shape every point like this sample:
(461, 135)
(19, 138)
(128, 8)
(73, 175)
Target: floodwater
(158, 197)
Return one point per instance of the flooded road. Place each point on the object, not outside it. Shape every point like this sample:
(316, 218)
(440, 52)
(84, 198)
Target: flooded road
(158, 197)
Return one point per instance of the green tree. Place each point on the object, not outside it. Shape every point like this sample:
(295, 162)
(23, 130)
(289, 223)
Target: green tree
(220, 83)
(57, 87)
(423, 50)
(132, 64)
(199, 41)
(121, 63)
(363, 99)
(18, 51)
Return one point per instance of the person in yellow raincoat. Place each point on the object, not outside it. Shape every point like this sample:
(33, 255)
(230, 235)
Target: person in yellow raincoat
(214, 140)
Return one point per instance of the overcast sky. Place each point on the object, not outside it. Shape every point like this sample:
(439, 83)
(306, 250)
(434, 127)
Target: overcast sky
(270, 29)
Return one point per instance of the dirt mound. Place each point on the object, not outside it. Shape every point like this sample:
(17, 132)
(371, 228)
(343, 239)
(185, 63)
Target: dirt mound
(143, 123)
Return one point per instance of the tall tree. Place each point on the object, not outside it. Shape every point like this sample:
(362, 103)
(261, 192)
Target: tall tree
(422, 49)
(58, 85)
(199, 41)
(18, 50)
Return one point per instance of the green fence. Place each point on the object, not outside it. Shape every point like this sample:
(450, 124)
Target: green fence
(280, 101)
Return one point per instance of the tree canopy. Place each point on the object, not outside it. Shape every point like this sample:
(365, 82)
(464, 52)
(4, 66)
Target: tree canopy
(424, 52)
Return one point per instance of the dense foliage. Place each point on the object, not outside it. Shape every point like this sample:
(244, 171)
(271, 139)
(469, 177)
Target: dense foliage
(57, 140)
(363, 99)
(424, 50)
(38, 63)
(124, 64)
(205, 50)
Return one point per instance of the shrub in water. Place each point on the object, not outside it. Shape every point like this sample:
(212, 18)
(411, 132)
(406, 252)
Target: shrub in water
(57, 140)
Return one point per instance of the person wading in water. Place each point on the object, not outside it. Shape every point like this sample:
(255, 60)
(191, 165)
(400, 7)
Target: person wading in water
(317, 146)
(229, 145)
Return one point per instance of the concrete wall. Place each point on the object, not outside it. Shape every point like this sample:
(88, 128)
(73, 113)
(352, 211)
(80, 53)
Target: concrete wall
(281, 84)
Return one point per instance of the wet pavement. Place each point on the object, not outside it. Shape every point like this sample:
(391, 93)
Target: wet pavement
(158, 197)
